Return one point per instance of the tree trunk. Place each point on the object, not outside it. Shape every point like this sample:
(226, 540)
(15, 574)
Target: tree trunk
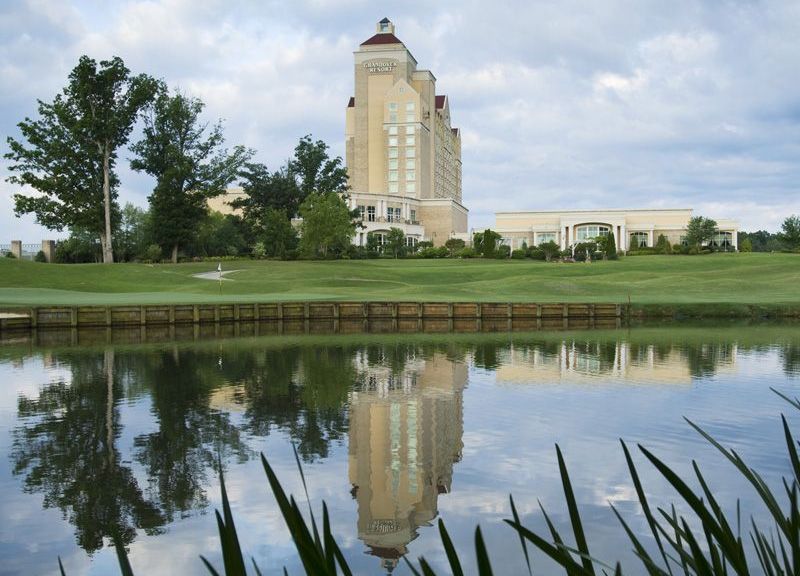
(175, 254)
(108, 252)
(109, 370)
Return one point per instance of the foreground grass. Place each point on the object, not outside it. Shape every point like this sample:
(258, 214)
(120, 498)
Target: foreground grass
(718, 278)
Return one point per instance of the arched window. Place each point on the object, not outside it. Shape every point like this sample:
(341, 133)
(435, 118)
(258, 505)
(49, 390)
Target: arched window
(722, 240)
(639, 239)
(590, 232)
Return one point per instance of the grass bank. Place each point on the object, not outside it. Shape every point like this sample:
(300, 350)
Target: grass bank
(732, 282)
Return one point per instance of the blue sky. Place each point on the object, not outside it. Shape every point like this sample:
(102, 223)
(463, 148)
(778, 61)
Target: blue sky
(562, 104)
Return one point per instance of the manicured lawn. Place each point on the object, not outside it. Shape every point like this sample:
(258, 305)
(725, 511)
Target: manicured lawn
(718, 278)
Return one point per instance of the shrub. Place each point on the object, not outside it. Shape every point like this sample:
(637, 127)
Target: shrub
(259, 250)
(10, 254)
(467, 252)
(440, 252)
(662, 245)
(152, 253)
(502, 251)
(40, 257)
(424, 244)
(746, 245)
(536, 253)
(455, 245)
(519, 254)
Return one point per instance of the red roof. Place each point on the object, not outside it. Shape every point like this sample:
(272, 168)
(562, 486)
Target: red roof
(352, 102)
(382, 39)
(440, 102)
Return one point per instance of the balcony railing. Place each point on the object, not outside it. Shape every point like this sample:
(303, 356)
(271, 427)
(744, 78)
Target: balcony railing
(382, 220)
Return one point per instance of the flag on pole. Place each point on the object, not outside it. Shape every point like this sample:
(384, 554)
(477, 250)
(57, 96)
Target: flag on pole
(219, 270)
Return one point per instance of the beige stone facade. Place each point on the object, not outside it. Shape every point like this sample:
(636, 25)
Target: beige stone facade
(631, 228)
(403, 155)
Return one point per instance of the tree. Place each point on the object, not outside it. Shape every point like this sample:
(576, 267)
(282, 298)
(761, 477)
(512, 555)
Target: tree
(662, 245)
(746, 245)
(396, 241)
(608, 246)
(73, 148)
(279, 236)
(315, 171)
(485, 243)
(700, 230)
(549, 249)
(220, 235)
(791, 231)
(264, 191)
(189, 164)
(327, 224)
(132, 237)
(454, 245)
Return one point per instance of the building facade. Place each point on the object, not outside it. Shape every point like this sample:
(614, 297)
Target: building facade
(403, 156)
(631, 228)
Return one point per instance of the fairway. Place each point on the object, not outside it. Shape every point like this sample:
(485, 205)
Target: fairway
(717, 278)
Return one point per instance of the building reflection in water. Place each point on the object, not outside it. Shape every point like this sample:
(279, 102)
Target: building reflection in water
(405, 435)
(620, 360)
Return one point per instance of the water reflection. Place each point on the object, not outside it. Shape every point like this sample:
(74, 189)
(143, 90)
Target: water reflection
(406, 425)
(396, 404)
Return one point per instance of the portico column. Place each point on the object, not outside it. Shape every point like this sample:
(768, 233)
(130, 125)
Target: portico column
(735, 239)
(623, 244)
(615, 230)
(651, 244)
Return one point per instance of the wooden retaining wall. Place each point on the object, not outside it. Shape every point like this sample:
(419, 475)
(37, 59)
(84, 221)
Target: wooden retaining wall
(160, 315)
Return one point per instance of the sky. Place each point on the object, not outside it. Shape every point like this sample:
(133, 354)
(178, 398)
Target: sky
(562, 104)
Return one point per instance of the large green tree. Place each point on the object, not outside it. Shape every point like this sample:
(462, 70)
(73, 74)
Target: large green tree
(265, 191)
(395, 242)
(700, 230)
(278, 234)
(790, 231)
(190, 166)
(71, 149)
(327, 225)
(315, 171)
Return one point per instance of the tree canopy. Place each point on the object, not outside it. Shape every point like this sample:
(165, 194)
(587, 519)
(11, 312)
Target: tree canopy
(790, 231)
(327, 225)
(700, 230)
(189, 164)
(71, 149)
(315, 171)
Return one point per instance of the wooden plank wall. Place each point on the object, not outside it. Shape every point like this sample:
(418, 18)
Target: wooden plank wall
(159, 315)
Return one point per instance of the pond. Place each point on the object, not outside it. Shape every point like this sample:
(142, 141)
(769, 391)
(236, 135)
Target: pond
(102, 434)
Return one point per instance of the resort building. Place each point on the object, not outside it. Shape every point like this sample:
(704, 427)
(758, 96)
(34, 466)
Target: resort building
(632, 229)
(403, 156)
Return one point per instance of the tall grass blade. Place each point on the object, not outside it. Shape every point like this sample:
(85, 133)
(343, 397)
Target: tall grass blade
(521, 539)
(484, 566)
(648, 514)
(307, 550)
(449, 549)
(766, 495)
(652, 568)
(308, 500)
(793, 401)
(574, 514)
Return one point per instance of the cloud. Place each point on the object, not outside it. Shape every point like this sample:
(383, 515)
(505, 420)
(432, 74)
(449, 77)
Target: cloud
(562, 105)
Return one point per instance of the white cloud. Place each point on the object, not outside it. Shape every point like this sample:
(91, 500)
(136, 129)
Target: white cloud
(572, 104)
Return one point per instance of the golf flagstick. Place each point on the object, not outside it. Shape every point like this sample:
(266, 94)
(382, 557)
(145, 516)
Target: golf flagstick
(219, 270)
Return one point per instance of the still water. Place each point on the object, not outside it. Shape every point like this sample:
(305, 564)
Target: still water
(99, 436)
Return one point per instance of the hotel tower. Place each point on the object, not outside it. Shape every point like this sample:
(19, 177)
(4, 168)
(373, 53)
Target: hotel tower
(403, 156)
